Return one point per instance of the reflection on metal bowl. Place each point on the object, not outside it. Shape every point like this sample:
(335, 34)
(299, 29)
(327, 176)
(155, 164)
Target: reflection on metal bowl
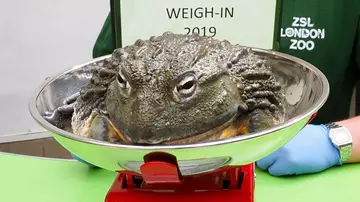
(306, 90)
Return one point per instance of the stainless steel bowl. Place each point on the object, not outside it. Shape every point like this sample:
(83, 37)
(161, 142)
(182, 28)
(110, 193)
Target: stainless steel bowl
(306, 89)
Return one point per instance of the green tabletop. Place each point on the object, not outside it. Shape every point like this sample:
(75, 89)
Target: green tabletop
(29, 179)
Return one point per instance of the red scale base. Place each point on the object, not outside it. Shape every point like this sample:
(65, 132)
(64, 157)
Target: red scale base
(161, 181)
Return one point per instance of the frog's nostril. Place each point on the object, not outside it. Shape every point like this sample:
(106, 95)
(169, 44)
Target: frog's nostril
(158, 102)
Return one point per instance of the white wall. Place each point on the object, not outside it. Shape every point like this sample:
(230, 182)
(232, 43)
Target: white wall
(39, 38)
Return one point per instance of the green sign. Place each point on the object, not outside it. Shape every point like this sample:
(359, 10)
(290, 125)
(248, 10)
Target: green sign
(250, 23)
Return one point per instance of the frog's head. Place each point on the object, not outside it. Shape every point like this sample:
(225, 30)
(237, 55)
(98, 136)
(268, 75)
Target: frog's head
(170, 88)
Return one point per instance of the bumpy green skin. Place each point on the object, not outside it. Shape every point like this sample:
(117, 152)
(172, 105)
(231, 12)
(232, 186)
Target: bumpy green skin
(140, 89)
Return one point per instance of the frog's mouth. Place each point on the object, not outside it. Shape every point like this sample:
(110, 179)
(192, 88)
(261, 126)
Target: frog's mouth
(221, 132)
(231, 128)
(234, 127)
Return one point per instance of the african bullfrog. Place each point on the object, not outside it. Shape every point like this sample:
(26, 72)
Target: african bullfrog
(176, 88)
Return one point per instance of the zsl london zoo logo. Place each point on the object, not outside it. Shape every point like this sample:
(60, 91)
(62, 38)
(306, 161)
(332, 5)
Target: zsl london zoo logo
(302, 34)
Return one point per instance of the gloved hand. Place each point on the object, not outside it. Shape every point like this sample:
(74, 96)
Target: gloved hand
(310, 151)
(82, 161)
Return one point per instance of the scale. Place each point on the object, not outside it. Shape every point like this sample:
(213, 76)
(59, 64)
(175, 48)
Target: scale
(160, 180)
(210, 171)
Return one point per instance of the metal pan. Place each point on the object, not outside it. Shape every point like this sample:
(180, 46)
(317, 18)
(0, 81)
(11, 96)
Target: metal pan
(306, 89)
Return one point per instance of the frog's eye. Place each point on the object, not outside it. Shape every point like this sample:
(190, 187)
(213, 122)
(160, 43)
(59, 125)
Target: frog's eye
(186, 86)
(123, 83)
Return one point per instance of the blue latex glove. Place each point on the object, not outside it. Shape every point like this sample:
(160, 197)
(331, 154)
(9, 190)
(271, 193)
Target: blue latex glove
(82, 161)
(310, 151)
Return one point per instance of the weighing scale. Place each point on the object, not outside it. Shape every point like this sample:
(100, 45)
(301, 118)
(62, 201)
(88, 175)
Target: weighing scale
(211, 171)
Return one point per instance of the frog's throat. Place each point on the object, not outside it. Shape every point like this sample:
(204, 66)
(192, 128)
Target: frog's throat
(226, 130)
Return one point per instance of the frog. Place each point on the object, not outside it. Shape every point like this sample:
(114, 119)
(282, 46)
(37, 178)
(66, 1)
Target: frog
(175, 88)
